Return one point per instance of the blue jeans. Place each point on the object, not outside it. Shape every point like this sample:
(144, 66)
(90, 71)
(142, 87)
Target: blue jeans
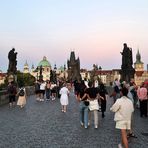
(48, 93)
(83, 113)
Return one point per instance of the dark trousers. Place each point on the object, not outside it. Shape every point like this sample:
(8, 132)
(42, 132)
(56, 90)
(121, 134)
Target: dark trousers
(48, 93)
(11, 98)
(143, 108)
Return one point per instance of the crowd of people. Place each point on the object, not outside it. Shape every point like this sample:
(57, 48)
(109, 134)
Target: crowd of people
(126, 97)
(92, 97)
(44, 91)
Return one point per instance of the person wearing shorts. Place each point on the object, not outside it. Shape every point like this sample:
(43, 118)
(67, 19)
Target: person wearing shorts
(123, 108)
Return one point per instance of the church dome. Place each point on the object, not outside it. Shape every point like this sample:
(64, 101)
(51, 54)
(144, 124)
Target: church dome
(44, 63)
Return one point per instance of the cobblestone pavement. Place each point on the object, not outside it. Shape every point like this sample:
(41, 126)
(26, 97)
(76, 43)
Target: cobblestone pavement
(43, 125)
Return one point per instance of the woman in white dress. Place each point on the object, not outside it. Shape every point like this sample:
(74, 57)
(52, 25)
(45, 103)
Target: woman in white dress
(22, 97)
(64, 92)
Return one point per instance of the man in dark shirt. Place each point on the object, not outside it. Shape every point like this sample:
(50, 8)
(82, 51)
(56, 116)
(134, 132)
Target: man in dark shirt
(12, 94)
(83, 106)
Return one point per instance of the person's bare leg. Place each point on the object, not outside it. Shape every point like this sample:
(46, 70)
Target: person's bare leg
(64, 108)
(124, 138)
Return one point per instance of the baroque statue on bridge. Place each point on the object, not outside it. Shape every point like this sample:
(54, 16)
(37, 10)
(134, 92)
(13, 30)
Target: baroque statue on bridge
(12, 56)
(127, 70)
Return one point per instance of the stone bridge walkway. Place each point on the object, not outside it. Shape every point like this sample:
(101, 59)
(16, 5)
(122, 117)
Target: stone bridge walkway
(43, 125)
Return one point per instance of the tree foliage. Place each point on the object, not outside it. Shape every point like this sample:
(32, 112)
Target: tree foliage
(25, 79)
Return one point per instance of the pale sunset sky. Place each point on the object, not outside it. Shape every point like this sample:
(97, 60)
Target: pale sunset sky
(94, 29)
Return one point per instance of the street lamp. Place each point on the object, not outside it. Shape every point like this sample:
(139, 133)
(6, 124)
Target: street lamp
(100, 68)
(64, 71)
(36, 72)
(55, 74)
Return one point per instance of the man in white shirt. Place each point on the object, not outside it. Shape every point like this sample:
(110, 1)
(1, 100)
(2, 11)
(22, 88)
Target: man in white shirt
(42, 89)
(123, 109)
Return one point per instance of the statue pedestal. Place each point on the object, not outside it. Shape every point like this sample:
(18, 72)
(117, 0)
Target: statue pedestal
(10, 78)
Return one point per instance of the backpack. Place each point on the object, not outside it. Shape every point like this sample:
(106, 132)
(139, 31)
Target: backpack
(22, 92)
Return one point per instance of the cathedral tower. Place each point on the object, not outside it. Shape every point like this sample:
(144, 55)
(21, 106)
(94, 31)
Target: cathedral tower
(139, 65)
(26, 68)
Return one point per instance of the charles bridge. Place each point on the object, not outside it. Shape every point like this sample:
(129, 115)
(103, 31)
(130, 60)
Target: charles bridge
(43, 125)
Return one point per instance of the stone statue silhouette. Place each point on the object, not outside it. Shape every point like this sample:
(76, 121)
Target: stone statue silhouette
(127, 71)
(12, 56)
(127, 59)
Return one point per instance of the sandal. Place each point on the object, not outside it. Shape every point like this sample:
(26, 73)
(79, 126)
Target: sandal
(131, 135)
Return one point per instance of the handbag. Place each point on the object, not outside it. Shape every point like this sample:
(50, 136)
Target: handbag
(86, 103)
(93, 105)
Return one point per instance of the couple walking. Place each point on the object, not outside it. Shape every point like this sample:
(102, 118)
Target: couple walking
(92, 96)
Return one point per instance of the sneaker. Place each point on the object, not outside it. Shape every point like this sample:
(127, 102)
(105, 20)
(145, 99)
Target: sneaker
(96, 126)
(53, 98)
(85, 127)
(131, 135)
(37, 99)
(10, 105)
(99, 110)
(120, 145)
(82, 124)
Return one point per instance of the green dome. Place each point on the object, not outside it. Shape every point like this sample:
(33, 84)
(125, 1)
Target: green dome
(44, 63)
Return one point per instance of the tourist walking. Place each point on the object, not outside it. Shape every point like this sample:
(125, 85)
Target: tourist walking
(123, 108)
(53, 91)
(116, 92)
(21, 97)
(42, 90)
(37, 90)
(48, 91)
(134, 91)
(103, 92)
(92, 95)
(77, 86)
(64, 92)
(130, 95)
(83, 106)
(12, 93)
(143, 98)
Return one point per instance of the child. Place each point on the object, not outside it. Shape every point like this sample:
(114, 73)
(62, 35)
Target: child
(22, 97)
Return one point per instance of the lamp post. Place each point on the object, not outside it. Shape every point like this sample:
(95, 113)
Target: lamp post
(64, 71)
(37, 75)
(41, 75)
(55, 74)
(100, 68)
